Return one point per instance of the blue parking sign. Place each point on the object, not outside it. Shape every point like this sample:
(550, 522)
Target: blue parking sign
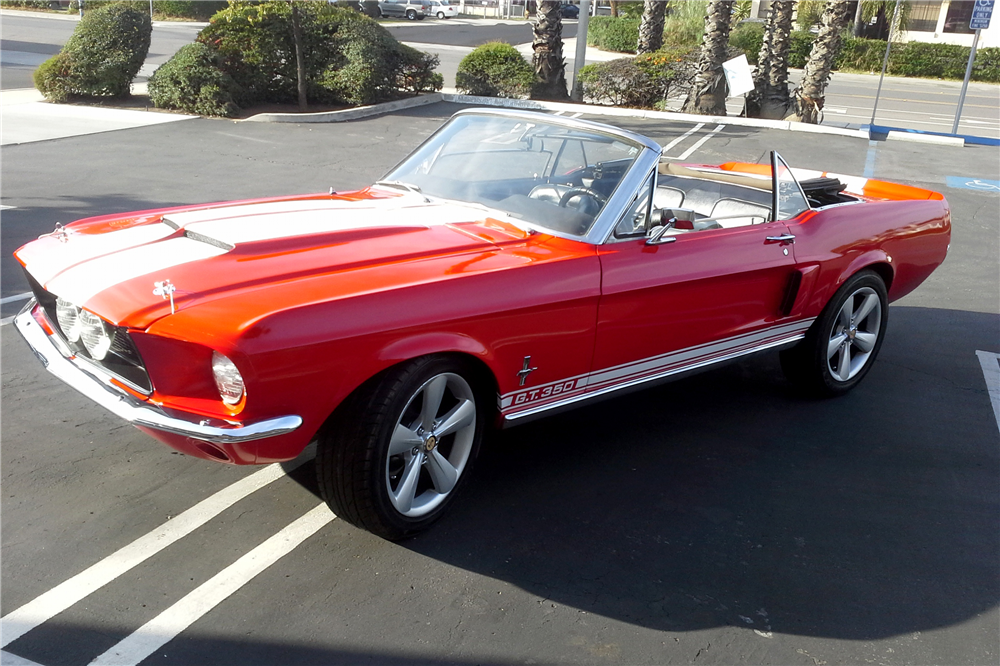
(981, 14)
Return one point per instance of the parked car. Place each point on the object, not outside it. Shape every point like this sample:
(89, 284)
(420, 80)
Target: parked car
(442, 9)
(569, 11)
(514, 265)
(413, 10)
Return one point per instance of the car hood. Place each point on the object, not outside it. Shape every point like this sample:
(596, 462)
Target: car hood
(111, 265)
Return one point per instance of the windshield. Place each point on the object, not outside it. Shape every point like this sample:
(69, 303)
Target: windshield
(553, 177)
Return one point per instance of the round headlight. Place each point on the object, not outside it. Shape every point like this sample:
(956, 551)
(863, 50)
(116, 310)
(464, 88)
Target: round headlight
(68, 316)
(97, 335)
(228, 379)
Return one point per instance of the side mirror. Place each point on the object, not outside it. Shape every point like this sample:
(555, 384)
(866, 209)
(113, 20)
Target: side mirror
(659, 226)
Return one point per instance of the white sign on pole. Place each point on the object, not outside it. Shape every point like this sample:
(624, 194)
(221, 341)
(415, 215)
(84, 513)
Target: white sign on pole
(738, 75)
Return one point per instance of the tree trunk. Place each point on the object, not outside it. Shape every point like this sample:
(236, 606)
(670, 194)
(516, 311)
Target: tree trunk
(859, 19)
(809, 96)
(614, 8)
(300, 65)
(708, 93)
(651, 28)
(550, 68)
(775, 99)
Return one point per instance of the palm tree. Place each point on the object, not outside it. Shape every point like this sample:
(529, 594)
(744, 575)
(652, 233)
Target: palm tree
(651, 28)
(769, 98)
(708, 93)
(808, 98)
(550, 68)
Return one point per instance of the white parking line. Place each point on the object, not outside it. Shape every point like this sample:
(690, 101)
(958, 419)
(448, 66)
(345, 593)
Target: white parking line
(171, 622)
(8, 659)
(682, 137)
(22, 620)
(686, 154)
(990, 363)
(5, 207)
(20, 297)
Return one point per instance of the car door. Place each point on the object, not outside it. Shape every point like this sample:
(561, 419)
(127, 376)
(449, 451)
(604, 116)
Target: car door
(692, 298)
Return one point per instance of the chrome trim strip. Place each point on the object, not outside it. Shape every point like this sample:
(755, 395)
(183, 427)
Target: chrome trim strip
(130, 408)
(510, 418)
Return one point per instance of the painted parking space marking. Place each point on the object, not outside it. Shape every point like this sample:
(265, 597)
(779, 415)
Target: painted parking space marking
(6, 207)
(171, 622)
(682, 137)
(990, 363)
(19, 297)
(701, 142)
(8, 659)
(870, 159)
(968, 183)
(46, 606)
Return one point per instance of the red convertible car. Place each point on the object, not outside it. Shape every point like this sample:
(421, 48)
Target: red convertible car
(513, 265)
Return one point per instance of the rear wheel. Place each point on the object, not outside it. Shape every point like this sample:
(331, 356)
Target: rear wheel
(395, 455)
(411, 15)
(440, 15)
(842, 344)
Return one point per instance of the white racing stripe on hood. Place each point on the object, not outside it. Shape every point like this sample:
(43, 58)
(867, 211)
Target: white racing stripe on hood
(44, 263)
(248, 210)
(285, 224)
(81, 283)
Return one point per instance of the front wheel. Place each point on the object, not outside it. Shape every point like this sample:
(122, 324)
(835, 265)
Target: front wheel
(440, 15)
(395, 455)
(842, 344)
(411, 15)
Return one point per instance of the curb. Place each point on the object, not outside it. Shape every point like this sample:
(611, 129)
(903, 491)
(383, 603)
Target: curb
(895, 135)
(660, 115)
(345, 114)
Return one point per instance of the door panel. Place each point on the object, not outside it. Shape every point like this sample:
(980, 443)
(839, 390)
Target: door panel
(705, 287)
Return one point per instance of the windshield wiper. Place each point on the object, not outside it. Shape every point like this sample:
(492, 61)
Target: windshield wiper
(409, 187)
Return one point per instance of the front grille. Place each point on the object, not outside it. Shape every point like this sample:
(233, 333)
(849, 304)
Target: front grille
(123, 360)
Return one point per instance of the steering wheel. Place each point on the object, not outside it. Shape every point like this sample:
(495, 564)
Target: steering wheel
(579, 191)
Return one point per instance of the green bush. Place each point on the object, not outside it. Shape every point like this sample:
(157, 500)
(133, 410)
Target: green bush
(641, 82)
(373, 66)
(748, 38)
(52, 78)
(30, 4)
(685, 24)
(192, 81)
(495, 69)
(862, 55)
(199, 10)
(613, 34)
(102, 56)
(987, 64)
(799, 47)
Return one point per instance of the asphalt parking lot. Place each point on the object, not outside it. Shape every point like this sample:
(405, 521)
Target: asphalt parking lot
(718, 519)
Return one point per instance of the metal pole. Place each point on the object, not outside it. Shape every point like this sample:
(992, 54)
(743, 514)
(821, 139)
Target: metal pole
(581, 49)
(965, 83)
(885, 60)
(150, 10)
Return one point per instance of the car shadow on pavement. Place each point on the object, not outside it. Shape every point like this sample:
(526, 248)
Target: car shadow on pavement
(727, 499)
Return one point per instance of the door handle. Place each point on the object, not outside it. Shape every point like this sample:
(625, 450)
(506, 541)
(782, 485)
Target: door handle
(784, 239)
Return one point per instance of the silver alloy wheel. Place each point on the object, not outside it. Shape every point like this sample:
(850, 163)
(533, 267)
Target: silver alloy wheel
(854, 334)
(430, 445)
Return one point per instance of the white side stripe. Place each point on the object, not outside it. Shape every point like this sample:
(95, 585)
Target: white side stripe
(628, 373)
(22, 620)
(171, 622)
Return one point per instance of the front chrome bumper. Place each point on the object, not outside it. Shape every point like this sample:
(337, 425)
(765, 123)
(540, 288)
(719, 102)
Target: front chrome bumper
(132, 409)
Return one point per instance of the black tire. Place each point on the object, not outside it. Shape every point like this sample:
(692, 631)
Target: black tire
(411, 15)
(811, 365)
(362, 481)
